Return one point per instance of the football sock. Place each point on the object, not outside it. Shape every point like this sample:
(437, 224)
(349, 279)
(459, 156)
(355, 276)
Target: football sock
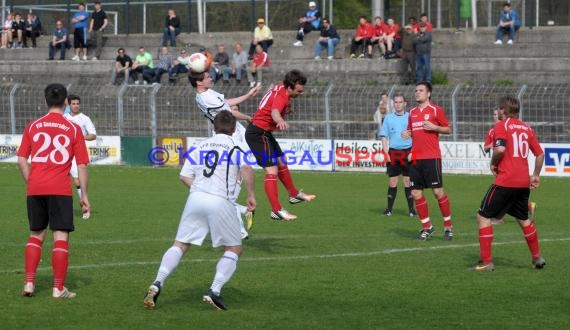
(59, 263)
(426, 224)
(531, 237)
(33, 254)
(485, 243)
(272, 191)
(169, 262)
(285, 178)
(224, 271)
(392, 192)
(445, 209)
(409, 198)
(78, 191)
(422, 208)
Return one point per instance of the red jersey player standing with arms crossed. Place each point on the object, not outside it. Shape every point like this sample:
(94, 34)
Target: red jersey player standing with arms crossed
(426, 121)
(270, 114)
(52, 141)
(510, 191)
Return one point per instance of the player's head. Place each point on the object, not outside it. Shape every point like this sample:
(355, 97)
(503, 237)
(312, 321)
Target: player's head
(55, 95)
(498, 114)
(423, 92)
(74, 102)
(203, 79)
(399, 102)
(294, 82)
(510, 106)
(224, 123)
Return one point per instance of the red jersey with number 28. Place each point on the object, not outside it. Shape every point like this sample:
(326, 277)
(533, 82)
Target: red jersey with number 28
(52, 141)
(425, 144)
(513, 169)
(275, 99)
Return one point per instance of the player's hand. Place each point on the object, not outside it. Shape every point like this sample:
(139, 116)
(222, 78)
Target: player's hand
(254, 90)
(85, 207)
(283, 125)
(251, 204)
(429, 126)
(534, 182)
(406, 134)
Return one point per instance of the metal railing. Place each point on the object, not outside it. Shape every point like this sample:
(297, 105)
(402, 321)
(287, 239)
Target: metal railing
(322, 112)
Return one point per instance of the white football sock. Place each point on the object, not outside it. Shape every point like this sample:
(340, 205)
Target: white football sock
(170, 261)
(224, 271)
(79, 192)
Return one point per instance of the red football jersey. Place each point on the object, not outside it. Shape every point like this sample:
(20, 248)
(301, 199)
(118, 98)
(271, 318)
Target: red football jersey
(261, 58)
(425, 144)
(276, 98)
(380, 29)
(52, 141)
(513, 167)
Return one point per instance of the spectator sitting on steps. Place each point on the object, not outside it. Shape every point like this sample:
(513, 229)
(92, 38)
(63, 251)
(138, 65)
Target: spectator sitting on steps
(33, 30)
(59, 39)
(329, 38)
(123, 65)
(259, 64)
(261, 35)
(310, 22)
(509, 22)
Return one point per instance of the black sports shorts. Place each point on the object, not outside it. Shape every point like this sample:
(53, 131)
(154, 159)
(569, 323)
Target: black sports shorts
(425, 173)
(55, 210)
(500, 200)
(263, 146)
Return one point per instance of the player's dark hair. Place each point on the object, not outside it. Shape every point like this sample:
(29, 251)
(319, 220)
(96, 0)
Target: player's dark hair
(224, 123)
(510, 106)
(425, 83)
(194, 77)
(398, 94)
(55, 95)
(73, 97)
(423, 15)
(294, 77)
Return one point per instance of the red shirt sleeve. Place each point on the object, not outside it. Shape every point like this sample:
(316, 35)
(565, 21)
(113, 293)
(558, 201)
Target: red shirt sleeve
(442, 118)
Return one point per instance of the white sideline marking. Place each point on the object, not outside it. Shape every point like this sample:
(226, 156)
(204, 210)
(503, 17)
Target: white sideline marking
(305, 257)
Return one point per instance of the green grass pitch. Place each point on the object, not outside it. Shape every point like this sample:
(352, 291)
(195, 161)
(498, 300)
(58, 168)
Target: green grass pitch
(341, 265)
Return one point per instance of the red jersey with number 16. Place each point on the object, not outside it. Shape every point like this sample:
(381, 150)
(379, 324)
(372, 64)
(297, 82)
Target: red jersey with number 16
(276, 98)
(425, 144)
(513, 169)
(52, 141)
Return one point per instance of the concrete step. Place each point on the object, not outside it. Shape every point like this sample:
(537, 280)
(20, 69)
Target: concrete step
(492, 77)
(501, 64)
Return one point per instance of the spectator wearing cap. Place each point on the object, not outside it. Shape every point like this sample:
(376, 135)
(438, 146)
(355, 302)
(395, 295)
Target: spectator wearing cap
(329, 38)
(422, 44)
(409, 53)
(180, 65)
(311, 21)
(509, 22)
(261, 35)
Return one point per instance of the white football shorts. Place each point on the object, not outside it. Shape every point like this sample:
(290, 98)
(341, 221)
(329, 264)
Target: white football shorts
(205, 213)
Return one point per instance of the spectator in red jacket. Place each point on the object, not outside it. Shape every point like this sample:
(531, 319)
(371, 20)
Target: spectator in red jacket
(380, 29)
(364, 33)
(424, 18)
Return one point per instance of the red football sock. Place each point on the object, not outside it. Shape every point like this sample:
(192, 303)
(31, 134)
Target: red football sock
(531, 237)
(422, 208)
(272, 192)
(285, 178)
(59, 262)
(485, 243)
(33, 255)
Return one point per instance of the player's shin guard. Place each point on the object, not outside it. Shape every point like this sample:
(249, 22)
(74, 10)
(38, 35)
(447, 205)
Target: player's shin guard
(531, 237)
(33, 254)
(409, 198)
(445, 209)
(59, 263)
(224, 271)
(423, 211)
(169, 262)
(485, 243)
(287, 180)
(392, 192)
(272, 192)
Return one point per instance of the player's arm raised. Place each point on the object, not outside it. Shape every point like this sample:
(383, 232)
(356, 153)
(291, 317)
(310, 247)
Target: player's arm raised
(278, 119)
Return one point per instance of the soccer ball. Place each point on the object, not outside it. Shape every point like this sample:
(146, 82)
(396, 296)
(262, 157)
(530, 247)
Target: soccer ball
(198, 63)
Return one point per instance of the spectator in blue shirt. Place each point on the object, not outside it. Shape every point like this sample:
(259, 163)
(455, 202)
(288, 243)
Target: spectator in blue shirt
(310, 22)
(80, 20)
(58, 40)
(509, 22)
(397, 163)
